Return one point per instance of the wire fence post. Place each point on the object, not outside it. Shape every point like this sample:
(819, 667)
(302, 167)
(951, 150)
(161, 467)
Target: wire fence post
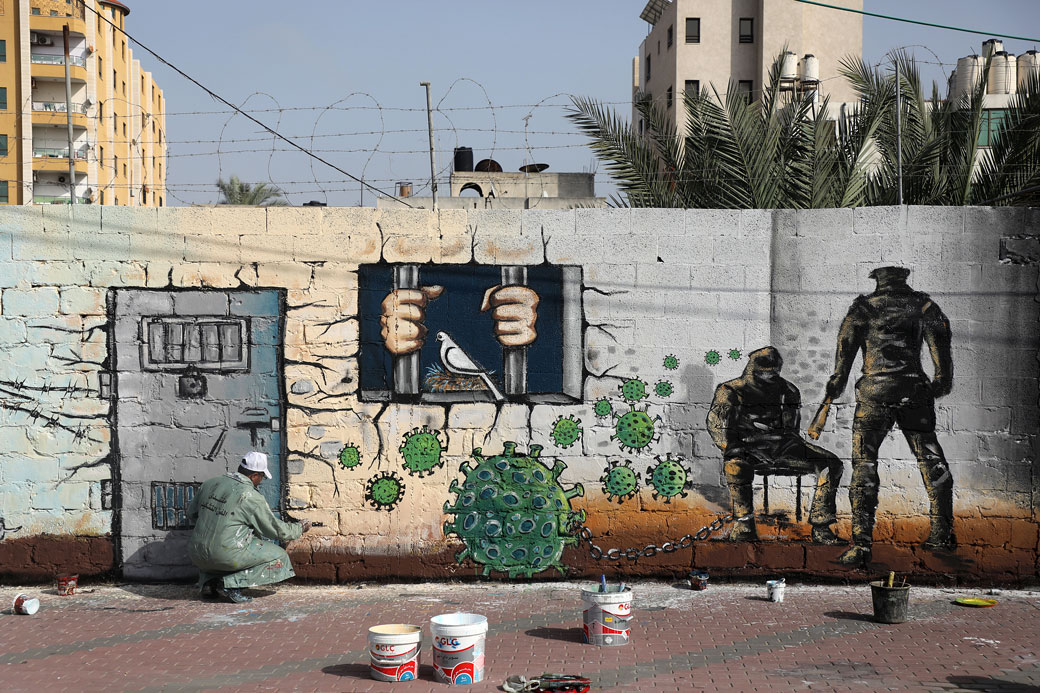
(429, 124)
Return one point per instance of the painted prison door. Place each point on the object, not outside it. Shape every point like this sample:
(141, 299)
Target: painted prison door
(197, 385)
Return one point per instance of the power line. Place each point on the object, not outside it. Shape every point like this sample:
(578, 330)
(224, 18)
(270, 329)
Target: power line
(916, 21)
(227, 103)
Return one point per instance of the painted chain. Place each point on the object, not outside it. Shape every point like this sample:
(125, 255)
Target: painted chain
(633, 554)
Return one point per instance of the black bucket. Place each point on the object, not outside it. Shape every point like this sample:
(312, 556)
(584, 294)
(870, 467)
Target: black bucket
(890, 603)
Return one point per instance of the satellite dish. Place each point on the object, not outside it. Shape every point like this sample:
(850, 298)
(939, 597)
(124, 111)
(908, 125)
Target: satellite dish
(488, 166)
(534, 168)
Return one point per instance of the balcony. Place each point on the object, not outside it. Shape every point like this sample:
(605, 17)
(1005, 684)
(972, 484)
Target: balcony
(51, 15)
(56, 159)
(52, 67)
(53, 113)
(58, 200)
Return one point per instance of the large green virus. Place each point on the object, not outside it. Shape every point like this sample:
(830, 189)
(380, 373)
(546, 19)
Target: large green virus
(712, 357)
(512, 512)
(566, 431)
(671, 362)
(384, 491)
(620, 481)
(422, 451)
(350, 456)
(669, 478)
(663, 388)
(633, 390)
(634, 430)
(603, 408)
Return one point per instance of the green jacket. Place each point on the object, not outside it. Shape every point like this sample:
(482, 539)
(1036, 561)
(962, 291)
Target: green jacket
(230, 518)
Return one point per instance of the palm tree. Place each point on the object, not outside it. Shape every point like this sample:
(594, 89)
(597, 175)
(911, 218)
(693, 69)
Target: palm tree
(786, 150)
(235, 192)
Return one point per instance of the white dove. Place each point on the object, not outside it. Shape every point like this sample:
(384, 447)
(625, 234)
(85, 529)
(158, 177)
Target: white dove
(459, 362)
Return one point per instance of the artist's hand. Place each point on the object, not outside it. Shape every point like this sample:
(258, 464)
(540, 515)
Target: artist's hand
(835, 386)
(404, 311)
(514, 310)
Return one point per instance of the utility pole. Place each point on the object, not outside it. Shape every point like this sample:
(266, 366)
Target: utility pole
(899, 135)
(429, 123)
(68, 116)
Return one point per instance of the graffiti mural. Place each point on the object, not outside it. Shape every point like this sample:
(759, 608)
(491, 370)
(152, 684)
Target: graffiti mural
(513, 512)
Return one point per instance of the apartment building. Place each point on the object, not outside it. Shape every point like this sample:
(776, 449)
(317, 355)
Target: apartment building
(695, 44)
(117, 110)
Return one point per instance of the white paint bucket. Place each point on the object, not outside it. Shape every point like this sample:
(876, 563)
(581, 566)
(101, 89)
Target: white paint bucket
(458, 647)
(606, 617)
(25, 605)
(393, 651)
(775, 588)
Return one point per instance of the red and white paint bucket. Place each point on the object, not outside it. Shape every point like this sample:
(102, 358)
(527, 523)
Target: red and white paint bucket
(606, 617)
(394, 651)
(67, 585)
(458, 647)
(26, 605)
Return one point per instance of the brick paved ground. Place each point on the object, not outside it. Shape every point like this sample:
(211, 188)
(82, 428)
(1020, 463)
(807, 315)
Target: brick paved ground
(160, 638)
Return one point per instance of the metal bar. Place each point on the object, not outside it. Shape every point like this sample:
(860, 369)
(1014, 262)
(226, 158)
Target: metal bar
(514, 359)
(798, 498)
(406, 367)
(68, 116)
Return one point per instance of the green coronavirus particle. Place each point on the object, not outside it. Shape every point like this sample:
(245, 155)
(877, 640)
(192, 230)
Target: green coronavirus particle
(566, 431)
(633, 390)
(712, 357)
(669, 478)
(422, 451)
(671, 362)
(735, 354)
(512, 512)
(620, 481)
(634, 430)
(350, 456)
(603, 408)
(663, 388)
(384, 491)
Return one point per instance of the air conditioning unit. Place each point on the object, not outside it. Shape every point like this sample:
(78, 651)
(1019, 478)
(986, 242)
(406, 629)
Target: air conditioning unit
(46, 40)
(62, 179)
(34, 38)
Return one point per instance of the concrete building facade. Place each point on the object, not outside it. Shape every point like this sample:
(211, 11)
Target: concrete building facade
(697, 44)
(117, 112)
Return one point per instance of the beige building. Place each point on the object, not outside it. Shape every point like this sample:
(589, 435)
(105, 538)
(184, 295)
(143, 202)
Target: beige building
(117, 109)
(697, 44)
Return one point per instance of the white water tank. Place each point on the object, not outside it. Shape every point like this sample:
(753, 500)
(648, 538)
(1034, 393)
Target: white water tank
(810, 68)
(992, 47)
(1028, 68)
(789, 66)
(969, 72)
(1003, 74)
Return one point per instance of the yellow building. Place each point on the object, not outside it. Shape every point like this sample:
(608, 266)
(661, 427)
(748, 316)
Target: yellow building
(117, 113)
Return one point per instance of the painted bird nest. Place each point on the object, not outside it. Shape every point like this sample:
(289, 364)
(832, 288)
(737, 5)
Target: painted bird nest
(439, 380)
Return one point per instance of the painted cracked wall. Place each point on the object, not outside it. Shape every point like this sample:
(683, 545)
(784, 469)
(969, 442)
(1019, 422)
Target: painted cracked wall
(583, 389)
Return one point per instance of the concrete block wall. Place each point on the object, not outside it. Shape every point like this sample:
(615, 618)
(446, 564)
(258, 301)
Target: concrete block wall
(687, 283)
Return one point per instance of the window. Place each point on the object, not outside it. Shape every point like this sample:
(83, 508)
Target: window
(671, 36)
(747, 30)
(124, 87)
(124, 50)
(3, 192)
(668, 98)
(124, 169)
(3, 98)
(142, 85)
(692, 87)
(115, 77)
(989, 127)
(745, 87)
(115, 164)
(160, 202)
(3, 51)
(101, 155)
(101, 111)
(102, 197)
(54, 13)
(170, 500)
(3, 145)
(693, 30)
(205, 343)
(647, 67)
(36, 11)
(553, 365)
(124, 129)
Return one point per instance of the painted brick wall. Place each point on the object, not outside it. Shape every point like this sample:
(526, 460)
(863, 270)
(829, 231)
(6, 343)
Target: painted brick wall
(653, 283)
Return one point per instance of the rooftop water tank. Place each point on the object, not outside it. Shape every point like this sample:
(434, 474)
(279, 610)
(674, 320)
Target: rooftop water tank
(992, 47)
(789, 66)
(1003, 74)
(810, 68)
(1028, 68)
(463, 159)
(969, 72)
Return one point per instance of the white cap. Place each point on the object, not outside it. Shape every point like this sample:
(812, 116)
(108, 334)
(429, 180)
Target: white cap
(256, 462)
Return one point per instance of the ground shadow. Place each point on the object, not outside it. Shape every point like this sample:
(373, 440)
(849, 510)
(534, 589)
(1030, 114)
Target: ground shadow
(564, 634)
(850, 616)
(758, 599)
(986, 683)
(357, 670)
(185, 593)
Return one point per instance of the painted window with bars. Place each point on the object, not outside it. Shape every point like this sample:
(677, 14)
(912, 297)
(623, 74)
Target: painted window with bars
(207, 343)
(170, 501)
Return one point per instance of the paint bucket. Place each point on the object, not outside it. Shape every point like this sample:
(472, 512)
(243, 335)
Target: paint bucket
(699, 580)
(67, 585)
(394, 651)
(606, 617)
(890, 603)
(25, 605)
(775, 589)
(458, 647)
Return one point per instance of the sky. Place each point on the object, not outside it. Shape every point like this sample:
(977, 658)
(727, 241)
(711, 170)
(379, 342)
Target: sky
(341, 78)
